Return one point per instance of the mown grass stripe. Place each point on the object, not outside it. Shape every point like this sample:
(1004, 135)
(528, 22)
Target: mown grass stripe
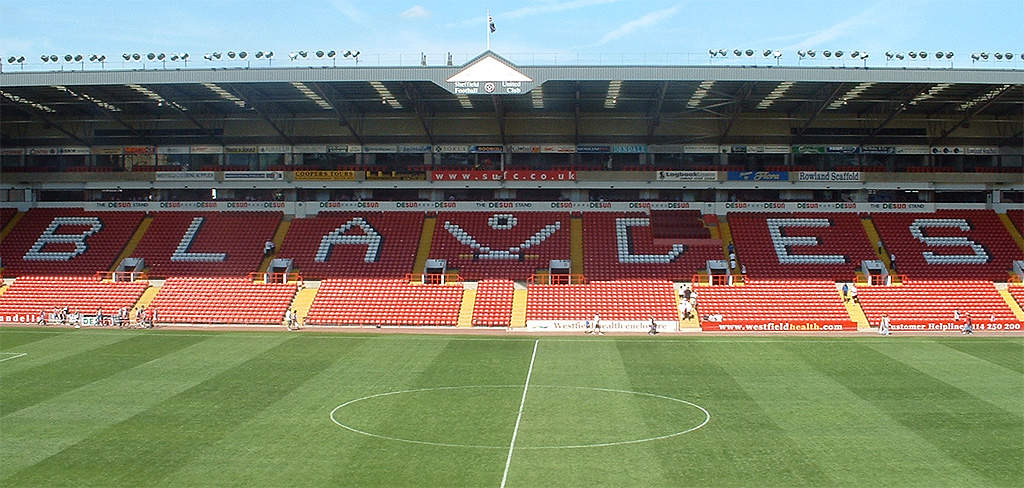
(944, 416)
(30, 386)
(14, 338)
(1000, 351)
(46, 428)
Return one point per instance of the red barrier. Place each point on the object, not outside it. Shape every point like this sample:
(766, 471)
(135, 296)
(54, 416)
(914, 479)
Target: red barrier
(710, 326)
(932, 326)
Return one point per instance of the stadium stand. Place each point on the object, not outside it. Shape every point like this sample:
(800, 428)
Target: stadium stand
(948, 244)
(934, 301)
(222, 301)
(206, 243)
(29, 295)
(626, 301)
(684, 224)
(1017, 217)
(385, 302)
(504, 245)
(354, 244)
(6, 214)
(764, 302)
(824, 246)
(1017, 292)
(66, 241)
(493, 306)
(622, 245)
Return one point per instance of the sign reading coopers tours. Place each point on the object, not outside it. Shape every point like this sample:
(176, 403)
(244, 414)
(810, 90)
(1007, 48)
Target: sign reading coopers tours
(489, 74)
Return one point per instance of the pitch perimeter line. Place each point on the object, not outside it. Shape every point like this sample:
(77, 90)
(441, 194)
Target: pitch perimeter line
(16, 355)
(519, 418)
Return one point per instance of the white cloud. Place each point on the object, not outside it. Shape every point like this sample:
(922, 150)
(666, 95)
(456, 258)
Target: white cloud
(533, 10)
(839, 29)
(634, 25)
(348, 10)
(416, 12)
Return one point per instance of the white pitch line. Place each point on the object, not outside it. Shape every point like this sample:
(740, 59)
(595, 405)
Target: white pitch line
(519, 418)
(17, 355)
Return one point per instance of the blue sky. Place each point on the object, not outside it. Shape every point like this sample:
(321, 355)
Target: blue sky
(528, 32)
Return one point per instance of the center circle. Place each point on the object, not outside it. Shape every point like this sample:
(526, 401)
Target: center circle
(550, 409)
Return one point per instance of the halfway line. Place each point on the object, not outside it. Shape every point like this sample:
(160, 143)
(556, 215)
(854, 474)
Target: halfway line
(16, 355)
(515, 432)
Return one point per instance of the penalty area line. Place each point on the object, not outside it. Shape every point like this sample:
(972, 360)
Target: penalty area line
(16, 355)
(519, 418)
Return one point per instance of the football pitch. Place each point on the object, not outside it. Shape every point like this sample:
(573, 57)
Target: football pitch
(184, 408)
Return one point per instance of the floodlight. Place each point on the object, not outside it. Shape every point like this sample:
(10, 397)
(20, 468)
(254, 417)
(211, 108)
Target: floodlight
(939, 55)
(303, 53)
(899, 56)
(183, 56)
(777, 54)
(21, 59)
(231, 54)
(208, 57)
(10, 60)
(749, 52)
(268, 54)
(242, 55)
(102, 58)
(864, 55)
(975, 56)
(888, 55)
(54, 58)
(737, 52)
(922, 54)
(92, 58)
(839, 54)
(712, 52)
(126, 56)
(151, 56)
(801, 54)
(949, 54)
(767, 52)
(174, 57)
(136, 56)
(1008, 56)
(68, 58)
(811, 53)
(319, 54)
(855, 54)
(998, 55)
(912, 54)
(216, 55)
(78, 57)
(984, 55)
(355, 54)
(292, 55)
(827, 54)
(331, 53)
(161, 56)
(721, 52)
(258, 55)
(46, 58)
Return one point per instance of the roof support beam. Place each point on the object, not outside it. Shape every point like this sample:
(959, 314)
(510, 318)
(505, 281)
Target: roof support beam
(209, 132)
(499, 114)
(39, 115)
(975, 111)
(263, 115)
(737, 109)
(336, 105)
(576, 115)
(655, 114)
(96, 109)
(413, 94)
(1012, 139)
(820, 109)
(900, 107)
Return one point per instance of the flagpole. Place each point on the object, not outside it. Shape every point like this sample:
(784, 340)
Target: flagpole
(487, 25)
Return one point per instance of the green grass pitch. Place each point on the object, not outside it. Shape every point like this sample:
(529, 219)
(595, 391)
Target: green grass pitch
(251, 409)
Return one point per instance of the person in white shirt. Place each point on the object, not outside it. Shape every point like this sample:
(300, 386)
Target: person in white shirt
(883, 325)
(597, 325)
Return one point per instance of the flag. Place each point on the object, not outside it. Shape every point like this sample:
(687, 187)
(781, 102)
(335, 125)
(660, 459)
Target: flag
(490, 22)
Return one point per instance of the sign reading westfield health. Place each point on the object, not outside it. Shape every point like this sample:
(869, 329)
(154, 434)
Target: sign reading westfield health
(489, 74)
(524, 175)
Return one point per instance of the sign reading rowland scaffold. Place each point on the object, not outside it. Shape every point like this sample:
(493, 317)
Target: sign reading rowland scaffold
(489, 74)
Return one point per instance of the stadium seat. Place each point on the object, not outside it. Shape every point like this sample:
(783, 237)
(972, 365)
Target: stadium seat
(493, 306)
(626, 300)
(764, 302)
(29, 295)
(500, 245)
(223, 301)
(923, 301)
(66, 241)
(385, 302)
(621, 246)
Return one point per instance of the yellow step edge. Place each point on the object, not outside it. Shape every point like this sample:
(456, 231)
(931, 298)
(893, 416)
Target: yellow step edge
(875, 238)
(1012, 303)
(133, 243)
(423, 250)
(576, 245)
(856, 313)
(692, 323)
(1012, 229)
(146, 298)
(10, 225)
(466, 310)
(519, 308)
(278, 240)
(302, 302)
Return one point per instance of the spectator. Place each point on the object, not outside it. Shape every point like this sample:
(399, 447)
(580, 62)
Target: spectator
(892, 262)
(846, 292)
(968, 329)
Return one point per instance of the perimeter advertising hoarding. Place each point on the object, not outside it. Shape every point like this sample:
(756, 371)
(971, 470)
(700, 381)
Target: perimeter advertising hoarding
(254, 175)
(185, 176)
(829, 176)
(687, 176)
(395, 175)
(758, 176)
(940, 326)
(522, 175)
(840, 326)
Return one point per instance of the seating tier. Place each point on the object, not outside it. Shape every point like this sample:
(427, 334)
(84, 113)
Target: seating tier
(934, 301)
(764, 302)
(385, 302)
(622, 246)
(30, 295)
(821, 246)
(222, 301)
(222, 243)
(500, 245)
(614, 300)
(493, 306)
(66, 241)
(344, 244)
(1017, 217)
(964, 244)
